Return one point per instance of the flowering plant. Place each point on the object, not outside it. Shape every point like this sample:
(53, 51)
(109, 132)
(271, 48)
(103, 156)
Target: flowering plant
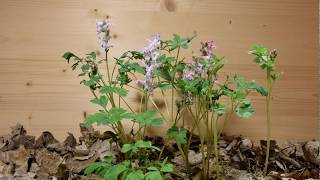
(196, 88)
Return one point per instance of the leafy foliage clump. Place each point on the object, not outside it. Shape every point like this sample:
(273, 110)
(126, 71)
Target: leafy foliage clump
(198, 88)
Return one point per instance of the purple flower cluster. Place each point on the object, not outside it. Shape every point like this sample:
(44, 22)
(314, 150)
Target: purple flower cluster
(197, 67)
(152, 51)
(207, 49)
(151, 54)
(103, 31)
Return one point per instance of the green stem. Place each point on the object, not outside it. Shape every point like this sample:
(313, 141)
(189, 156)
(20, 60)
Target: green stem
(207, 102)
(107, 64)
(196, 124)
(127, 104)
(172, 102)
(109, 81)
(185, 157)
(172, 82)
(216, 148)
(122, 134)
(165, 100)
(155, 105)
(268, 101)
(226, 119)
(134, 88)
(207, 136)
(179, 115)
(109, 94)
(113, 70)
(146, 106)
(162, 149)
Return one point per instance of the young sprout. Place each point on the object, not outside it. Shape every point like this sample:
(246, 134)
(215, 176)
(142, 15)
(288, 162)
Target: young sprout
(267, 61)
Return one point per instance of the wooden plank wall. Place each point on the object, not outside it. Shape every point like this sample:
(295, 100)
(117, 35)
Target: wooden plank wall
(38, 89)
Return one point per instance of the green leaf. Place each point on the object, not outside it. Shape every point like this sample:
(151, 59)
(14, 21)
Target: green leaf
(265, 58)
(217, 68)
(126, 148)
(219, 109)
(85, 67)
(140, 144)
(135, 175)
(145, 115)
(147, 118)
(164, 86)
(180, 134)
(69, 55)
(75, 65)
(163, 59)
(137, 68)
(118, 114)
(92, 55)
(226, 91)
(112, 89)
(164, 73)
(115, 171)
(243, 84)
(276, 75)
(176, 38)
(262, 90)
(146, 145)
(96, 167)
(258, 50)
(108, 159)
(106, 118)
(238, 94)
(153, 175)
(102, 101)
(175, 41)
(92, 81)
(166, 168)
(137, 54)
(98, 118)
(244, 109)
(143, 144)
(154, 122)
(152, 168)
(184, 46)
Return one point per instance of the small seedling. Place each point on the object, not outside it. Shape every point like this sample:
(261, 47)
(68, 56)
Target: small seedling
(267, 61)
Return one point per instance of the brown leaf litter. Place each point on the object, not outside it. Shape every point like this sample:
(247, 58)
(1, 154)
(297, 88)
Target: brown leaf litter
(24, 157)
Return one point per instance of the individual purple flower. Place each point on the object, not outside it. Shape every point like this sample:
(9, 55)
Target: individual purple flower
(147, 85)
(103, 31)
(187, 74)
(208, 48)
(151, 54)
(198, 67)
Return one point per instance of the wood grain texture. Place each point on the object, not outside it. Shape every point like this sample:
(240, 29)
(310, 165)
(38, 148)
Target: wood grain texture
(38, 89)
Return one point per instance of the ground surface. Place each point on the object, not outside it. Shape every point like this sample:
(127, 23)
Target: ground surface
(25, 157)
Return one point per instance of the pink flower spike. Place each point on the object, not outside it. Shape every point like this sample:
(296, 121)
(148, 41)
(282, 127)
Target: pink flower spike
(103, 31)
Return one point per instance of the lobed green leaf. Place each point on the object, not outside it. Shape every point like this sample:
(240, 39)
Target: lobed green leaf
(180, 134)
(112, 89)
